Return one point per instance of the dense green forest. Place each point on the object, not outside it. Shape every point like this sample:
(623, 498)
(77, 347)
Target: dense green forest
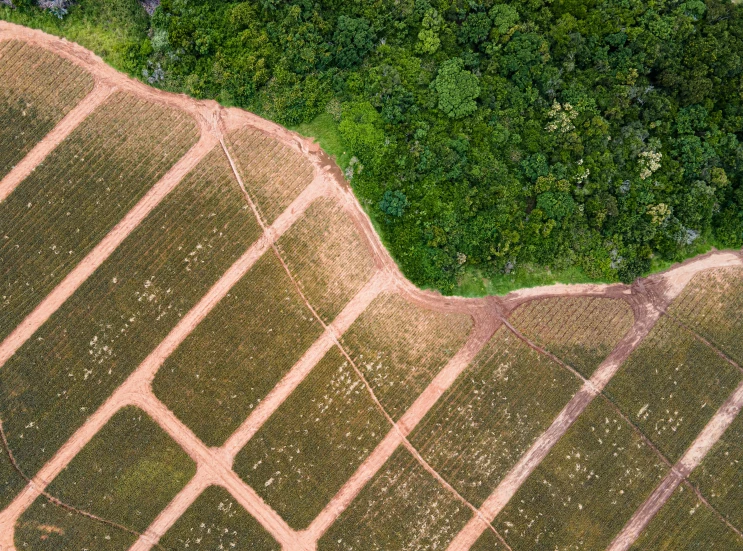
(598, 138)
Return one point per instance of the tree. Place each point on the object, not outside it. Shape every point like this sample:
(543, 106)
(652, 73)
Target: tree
(457, 89)
(353, 38)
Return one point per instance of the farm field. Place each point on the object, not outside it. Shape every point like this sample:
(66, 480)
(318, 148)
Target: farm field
(238, 353)
(712, 305)
(114, 320)
(315, 441)
(79, 192)
(216, 521)
(687, 524)
(671, 386)
(584, 491)
(126, 475)
(273, 173)
(37, 89)
(492, 414)
(257, 414)
(581, 331)
(400, 347)
(402, 507)
(326, 255)
(720, 476)
(11, 481)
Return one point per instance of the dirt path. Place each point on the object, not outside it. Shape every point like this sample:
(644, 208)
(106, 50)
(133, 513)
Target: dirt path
(646, 315)
(691, 459)
(105, 248)
(89, 103)
(135, 390)
(214, 465)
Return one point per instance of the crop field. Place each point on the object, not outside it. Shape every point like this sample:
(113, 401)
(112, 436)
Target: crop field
(306, 451)
(238, 353)
(720, 476)
(712, 305)
(11, 481)
(402, 508)
(273, 173)
(493, 413)
(671, 386)
(585, 489)
(581, 331)
(687, 524)
(124, 310)
(325, 254)
(37, 89)
(216, 521)
(125, 476)
(400, 347)
(78, 193)
(248, 420)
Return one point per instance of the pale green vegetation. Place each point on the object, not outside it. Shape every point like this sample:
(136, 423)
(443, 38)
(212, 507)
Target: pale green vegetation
(492, 414)
(215, 522)
(314, 442)
(400, 347)
(581, 331)
(402, 508)
(37, 89)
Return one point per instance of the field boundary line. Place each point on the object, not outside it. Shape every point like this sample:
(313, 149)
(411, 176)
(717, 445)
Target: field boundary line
(479, 336)
(103, 250)
(660, 289)
(139, 381)
(334, 337)
(96, 97)
(692, 458)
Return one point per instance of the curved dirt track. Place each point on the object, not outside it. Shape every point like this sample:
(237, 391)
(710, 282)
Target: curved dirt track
(214, 465)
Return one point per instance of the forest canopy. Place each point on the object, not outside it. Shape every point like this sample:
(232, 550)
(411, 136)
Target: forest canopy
(592, 134)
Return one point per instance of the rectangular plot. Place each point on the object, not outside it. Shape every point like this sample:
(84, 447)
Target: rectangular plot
(216, 521)
(720, 476)
(126, 475)
(326, 255)
(581, 331)
(586, 489)
(712, 305)
(37, 89)
(687, 524)
(117, 317)
(400, 347)
(671, 386)
(314, 442)
(273, 173)
(493, 413)
(238, 353)
(80, 191)
(403, 508)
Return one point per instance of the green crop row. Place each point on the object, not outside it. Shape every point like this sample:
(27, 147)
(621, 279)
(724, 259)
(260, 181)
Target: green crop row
(671, 386)
(215, 521)
(314, 442)
(117, 317)
(712, 304)
(586, 489)
(80, 191)
(273, 173)
(581, 331)
(493, 413)
(400, 347)
(238, 353)
(402, 507)
(37, 89)
(125, 475)
(326, 255)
